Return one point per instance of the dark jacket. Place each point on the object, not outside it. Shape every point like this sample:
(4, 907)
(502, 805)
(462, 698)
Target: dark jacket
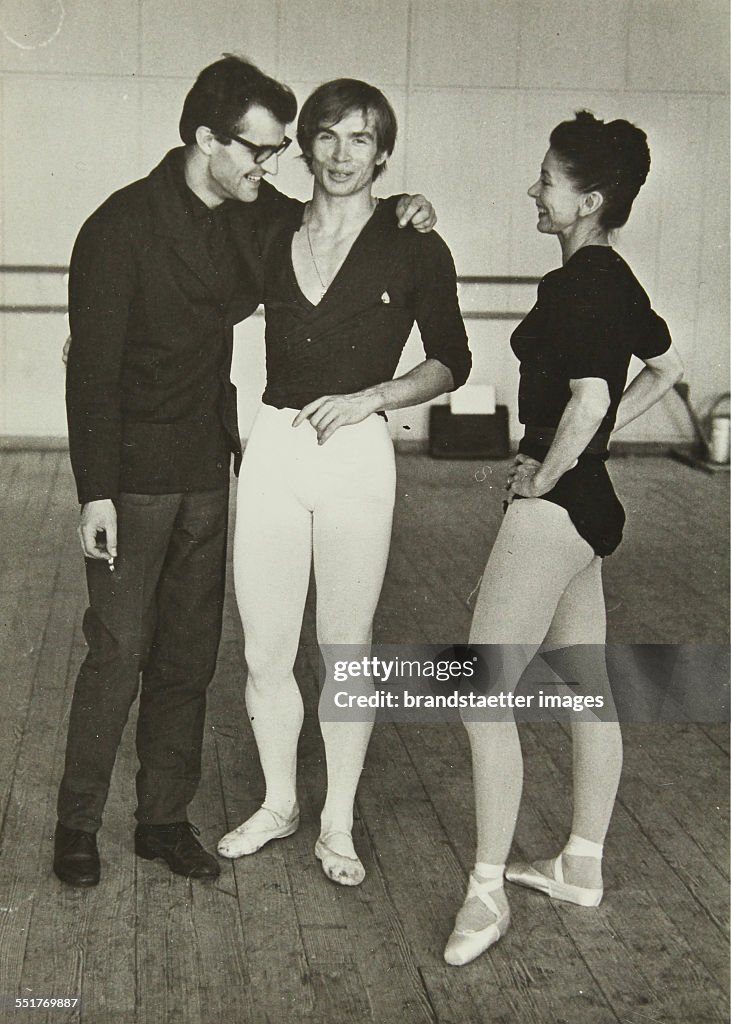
(151, 408)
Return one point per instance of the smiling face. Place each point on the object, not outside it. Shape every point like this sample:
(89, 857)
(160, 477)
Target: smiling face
(345, 155)
(232, 171)
(558, 200)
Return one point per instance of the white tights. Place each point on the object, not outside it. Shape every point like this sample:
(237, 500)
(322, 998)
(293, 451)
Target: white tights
(542, 587)
(300, 504)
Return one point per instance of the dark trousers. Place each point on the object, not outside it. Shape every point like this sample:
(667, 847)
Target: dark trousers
(158, 614)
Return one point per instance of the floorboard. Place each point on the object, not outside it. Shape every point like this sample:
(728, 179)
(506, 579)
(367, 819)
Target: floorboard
(272, 941)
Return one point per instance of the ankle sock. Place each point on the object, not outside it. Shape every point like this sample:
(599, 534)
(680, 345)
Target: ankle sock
(579, 847)
(489, 872)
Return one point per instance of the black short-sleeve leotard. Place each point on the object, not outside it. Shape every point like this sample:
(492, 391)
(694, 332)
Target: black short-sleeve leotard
(354, 337)
(590, 317)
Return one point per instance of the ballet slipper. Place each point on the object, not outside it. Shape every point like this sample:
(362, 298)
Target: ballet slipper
(338, 867)
(263, 826)
(557, 887)
(464, 946)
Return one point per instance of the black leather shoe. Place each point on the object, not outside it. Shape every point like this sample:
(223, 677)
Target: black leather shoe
(75, 856)
(177, 845)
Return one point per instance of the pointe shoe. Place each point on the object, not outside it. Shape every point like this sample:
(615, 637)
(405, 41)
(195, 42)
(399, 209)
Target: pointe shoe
(338, 868)
(556, 887)
(263, 826)
(464, 946)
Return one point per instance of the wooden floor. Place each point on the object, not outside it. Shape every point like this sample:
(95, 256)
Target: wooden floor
(273, 940)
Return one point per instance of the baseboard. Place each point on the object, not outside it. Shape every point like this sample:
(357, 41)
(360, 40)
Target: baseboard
(411, 445)
(404, 446)
(31, 443)
(619, 449)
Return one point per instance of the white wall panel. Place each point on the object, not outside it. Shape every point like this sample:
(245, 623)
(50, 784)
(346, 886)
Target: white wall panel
(708, 371)
(83, 147)
(4, 318)
(680, 167)
(573, 43)
(681, 163)
(463, 161)
(34, 375)
(248, 370)
(678, 45)
(361, 39)
(3, 234)
(160, 104)
(465, 42)
(75, 36)
(182, 38)
(493, 363)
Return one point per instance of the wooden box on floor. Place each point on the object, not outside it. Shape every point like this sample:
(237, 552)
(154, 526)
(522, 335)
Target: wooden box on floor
(468, 436)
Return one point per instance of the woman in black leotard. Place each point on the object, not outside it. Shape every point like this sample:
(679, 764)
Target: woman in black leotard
(542, 584)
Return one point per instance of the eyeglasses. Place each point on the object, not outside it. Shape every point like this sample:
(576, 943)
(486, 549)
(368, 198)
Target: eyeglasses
(260, 153)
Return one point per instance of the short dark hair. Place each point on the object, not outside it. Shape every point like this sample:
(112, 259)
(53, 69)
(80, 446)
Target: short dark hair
(333, 101)
(611, 158)
(224, 91)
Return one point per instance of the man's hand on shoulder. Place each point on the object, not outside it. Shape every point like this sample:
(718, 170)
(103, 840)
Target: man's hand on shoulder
(417, 211)
(98, 529)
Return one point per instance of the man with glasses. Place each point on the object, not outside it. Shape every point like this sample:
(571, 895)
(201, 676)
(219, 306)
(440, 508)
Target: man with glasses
(159, 274)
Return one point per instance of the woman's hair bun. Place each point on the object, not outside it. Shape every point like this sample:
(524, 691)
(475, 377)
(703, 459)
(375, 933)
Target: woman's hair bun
(630, 142)
(612, 158)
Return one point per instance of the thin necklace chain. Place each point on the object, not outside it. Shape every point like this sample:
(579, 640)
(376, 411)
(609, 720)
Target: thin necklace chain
(324, 287)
